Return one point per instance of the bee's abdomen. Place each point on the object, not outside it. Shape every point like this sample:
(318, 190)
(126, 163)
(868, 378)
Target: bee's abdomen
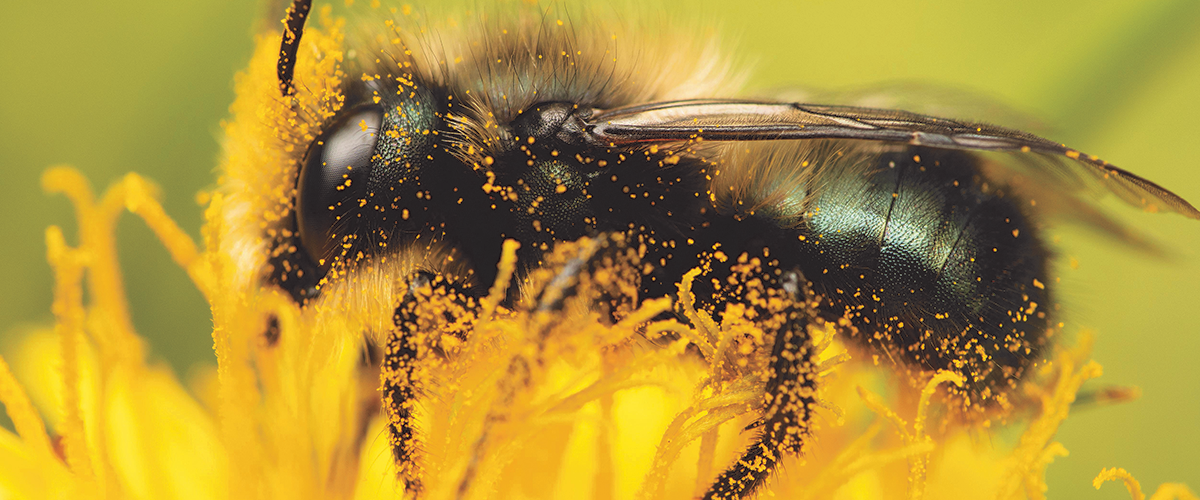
(932, 265)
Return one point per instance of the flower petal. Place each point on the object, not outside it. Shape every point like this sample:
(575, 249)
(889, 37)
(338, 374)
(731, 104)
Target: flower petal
(161, 443)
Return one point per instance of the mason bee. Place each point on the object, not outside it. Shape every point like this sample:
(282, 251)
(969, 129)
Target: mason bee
(410, 161)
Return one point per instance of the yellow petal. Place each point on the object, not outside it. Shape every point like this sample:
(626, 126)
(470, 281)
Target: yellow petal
(161, 442)
(29, 473)
(41, 379)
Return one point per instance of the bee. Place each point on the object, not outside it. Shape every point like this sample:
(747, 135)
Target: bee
(409, 157)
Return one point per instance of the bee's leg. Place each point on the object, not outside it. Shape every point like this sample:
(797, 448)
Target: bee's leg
(432, 307)
(600, 272)
(790, 391)
(577, 273)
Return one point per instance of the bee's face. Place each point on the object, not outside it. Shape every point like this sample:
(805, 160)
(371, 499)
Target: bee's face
(991, 64)
(399, 151)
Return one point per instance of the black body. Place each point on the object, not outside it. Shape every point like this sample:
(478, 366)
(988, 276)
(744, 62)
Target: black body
(935, 268)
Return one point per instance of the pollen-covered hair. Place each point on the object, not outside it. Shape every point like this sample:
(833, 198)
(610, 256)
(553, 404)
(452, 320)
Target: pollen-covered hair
(502, 60)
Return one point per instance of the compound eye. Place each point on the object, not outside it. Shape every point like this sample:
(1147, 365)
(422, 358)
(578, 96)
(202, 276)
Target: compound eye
(335, 170)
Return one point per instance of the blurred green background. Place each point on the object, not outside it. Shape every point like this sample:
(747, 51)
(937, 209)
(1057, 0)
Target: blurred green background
(141, 85)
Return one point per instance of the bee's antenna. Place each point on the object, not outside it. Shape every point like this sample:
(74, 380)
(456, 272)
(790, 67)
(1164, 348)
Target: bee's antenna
(290, 45)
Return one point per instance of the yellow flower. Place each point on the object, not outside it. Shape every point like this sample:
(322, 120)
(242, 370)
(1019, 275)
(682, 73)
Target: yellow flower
(123, 428)
(607, 415)
(626, 410)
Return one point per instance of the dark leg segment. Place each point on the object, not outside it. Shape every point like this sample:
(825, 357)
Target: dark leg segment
(399, 397)
(776, 302)
(790, 396)
(433, 307)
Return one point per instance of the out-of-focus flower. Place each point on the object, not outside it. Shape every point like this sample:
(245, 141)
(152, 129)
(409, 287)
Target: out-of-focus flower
(620, 411)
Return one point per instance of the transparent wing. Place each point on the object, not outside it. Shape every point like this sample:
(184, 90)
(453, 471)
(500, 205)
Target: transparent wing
(927, 98)
(738, 120)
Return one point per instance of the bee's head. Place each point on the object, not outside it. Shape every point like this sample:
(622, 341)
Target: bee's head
(358, 156)
(334, 176)
(366, 181)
